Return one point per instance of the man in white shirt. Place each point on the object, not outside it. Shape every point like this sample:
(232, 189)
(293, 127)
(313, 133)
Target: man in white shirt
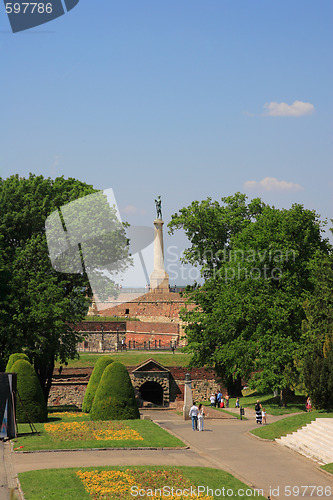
(194, 411)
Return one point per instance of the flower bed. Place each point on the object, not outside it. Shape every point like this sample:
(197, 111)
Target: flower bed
(83, 431)
(117, 485)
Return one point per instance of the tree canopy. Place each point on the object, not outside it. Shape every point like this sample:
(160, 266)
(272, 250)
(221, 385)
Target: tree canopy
(41, 304)
(256, 261)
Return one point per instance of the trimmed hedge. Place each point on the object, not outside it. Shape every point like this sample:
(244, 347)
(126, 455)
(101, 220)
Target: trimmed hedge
(115, 399)
(14, 357)
(30, 392)
(94, 380)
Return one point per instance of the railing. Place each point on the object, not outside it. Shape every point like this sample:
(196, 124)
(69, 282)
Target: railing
(133, 345)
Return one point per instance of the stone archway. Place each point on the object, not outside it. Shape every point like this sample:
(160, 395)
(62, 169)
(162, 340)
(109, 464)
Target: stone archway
(155, 381)
(152, 391)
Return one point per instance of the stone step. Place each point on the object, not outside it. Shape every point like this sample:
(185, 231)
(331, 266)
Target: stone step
(311, 442)
(319, 435)
(318, 456)
(315, 440)
(315, 452)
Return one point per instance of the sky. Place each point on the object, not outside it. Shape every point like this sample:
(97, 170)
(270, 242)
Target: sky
(178, 98)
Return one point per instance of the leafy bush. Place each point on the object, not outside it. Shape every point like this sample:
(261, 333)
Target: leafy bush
(115, 399)
(94, 380)
(30, 393)
(14, 357)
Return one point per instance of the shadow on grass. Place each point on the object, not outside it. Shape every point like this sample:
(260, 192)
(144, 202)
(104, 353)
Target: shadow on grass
(63, 408)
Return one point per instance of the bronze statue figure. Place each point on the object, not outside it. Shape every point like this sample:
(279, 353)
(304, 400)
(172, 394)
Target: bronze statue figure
(158, 204)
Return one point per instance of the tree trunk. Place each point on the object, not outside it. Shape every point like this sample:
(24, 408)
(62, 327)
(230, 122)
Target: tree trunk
(234, 387)
(44, 372)
(284, 393)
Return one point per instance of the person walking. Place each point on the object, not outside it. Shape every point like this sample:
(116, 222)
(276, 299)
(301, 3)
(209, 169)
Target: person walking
(237, 403)
(227, 401)
(258, 410)
(308, 404)
(201, 416)
(194, 411)
(212, 400)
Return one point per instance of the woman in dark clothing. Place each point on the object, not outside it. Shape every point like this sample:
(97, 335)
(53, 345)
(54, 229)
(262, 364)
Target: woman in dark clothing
(258, 412)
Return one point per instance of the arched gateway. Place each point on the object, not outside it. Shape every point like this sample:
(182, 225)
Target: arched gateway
(152, 380)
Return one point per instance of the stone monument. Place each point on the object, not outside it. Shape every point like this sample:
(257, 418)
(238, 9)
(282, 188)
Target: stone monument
(159, 279)
(188, 398)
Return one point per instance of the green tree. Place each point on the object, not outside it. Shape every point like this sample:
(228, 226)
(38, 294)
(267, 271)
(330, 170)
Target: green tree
(209, 227)
(94, 380)
(114, 398)
(42, 304)
(249, 309)
(4, 316)
(30, 404)
(316, 354)
(318, 376)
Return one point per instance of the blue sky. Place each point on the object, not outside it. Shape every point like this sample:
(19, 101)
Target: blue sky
(186, 99)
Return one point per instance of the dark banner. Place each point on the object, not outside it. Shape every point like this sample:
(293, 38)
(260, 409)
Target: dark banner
(24, 15)
(7, 405)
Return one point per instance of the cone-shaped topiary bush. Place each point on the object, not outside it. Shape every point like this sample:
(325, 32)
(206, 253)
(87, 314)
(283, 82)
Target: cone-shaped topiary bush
(30, 392)
(115, 399)
(14, 357)
(94, 380)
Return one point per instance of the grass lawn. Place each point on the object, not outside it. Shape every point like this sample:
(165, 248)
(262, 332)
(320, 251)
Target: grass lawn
(132, 358)
(116, 482)
(289, 424)
(66, 431)
(109, 318)
(223, 410)
(328, 468)
(271, 405)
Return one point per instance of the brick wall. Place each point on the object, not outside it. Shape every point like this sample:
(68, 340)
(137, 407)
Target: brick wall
(152, 306)
(163, 334)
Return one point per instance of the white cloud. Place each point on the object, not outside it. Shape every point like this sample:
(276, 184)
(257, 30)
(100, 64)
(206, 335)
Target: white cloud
(132, 210)
(272, 184)
(297, 108)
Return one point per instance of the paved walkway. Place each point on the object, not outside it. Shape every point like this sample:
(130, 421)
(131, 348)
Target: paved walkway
(3, 476)
(225, 444)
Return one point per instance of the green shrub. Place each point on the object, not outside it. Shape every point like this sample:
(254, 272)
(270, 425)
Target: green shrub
(30, 393)
(94, 380)
(14, 357)
(115, 399)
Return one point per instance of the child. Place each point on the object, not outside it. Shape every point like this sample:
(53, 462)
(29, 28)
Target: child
(264, 420)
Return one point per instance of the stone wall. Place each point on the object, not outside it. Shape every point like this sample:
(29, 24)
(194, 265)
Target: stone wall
(69, 386)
